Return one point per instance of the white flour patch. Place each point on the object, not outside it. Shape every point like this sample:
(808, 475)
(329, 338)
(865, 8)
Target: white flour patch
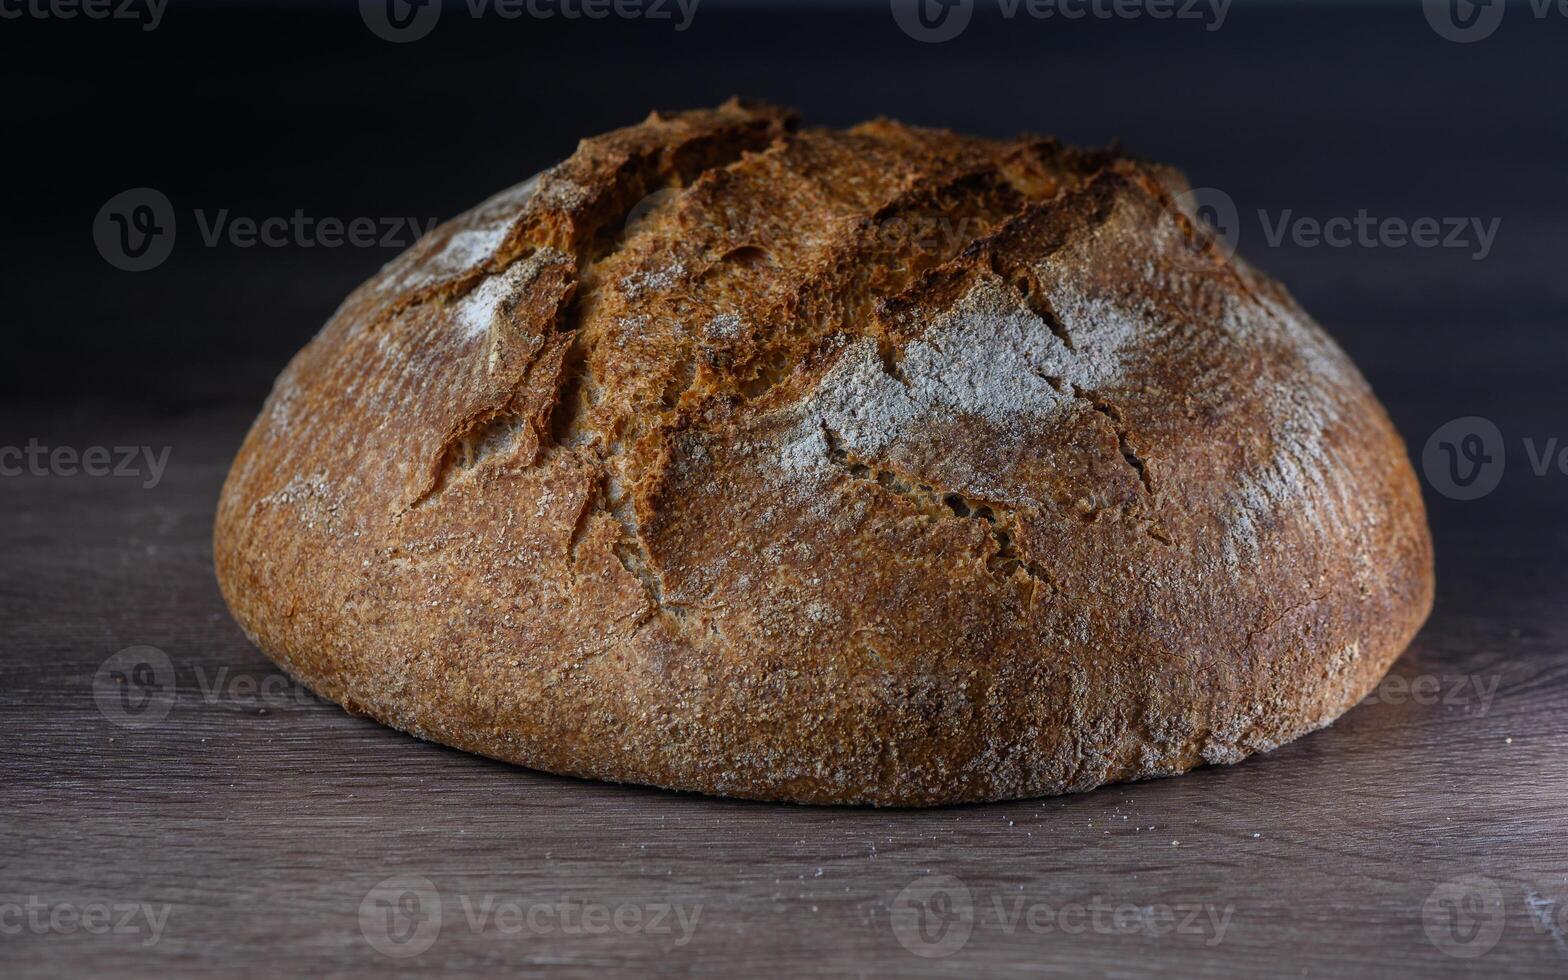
(1302, 400)
(282, 413)
(507, 204)
(464, 250)
(467, 249)
(558, 192)
(658, 280)
(312, 499)
(476, 313)
(630, 329)
(724, 326)
(806, 453)
(989, 358)
(1101, 331)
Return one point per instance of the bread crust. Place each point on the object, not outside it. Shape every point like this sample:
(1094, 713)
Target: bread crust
(877, 466)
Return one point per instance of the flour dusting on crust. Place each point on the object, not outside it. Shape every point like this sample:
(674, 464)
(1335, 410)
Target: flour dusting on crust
(989, 358)
(476, 313)
(1304, 401)
(466, 249)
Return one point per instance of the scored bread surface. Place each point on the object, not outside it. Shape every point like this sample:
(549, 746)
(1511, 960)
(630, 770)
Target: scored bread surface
(883, 465)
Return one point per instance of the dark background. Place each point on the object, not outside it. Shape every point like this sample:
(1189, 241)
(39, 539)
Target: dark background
(265, 108)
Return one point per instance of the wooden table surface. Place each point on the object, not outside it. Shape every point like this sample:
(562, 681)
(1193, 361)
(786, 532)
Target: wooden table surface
(182, 809)
(219, 816)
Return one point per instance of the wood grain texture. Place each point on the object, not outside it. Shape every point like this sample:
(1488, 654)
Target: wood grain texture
(261, 818)
(263, 832)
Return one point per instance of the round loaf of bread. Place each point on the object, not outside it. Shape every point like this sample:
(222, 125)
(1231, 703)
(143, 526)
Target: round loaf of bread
(883, 466)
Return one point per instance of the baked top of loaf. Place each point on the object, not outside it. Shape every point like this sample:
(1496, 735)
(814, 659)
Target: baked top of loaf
(881, 465)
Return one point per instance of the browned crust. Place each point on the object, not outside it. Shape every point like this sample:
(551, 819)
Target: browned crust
(885, 466)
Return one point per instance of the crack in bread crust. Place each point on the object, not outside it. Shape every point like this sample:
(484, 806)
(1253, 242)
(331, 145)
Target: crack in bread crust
(970, 187)
(1000, 521)
(883, 465)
